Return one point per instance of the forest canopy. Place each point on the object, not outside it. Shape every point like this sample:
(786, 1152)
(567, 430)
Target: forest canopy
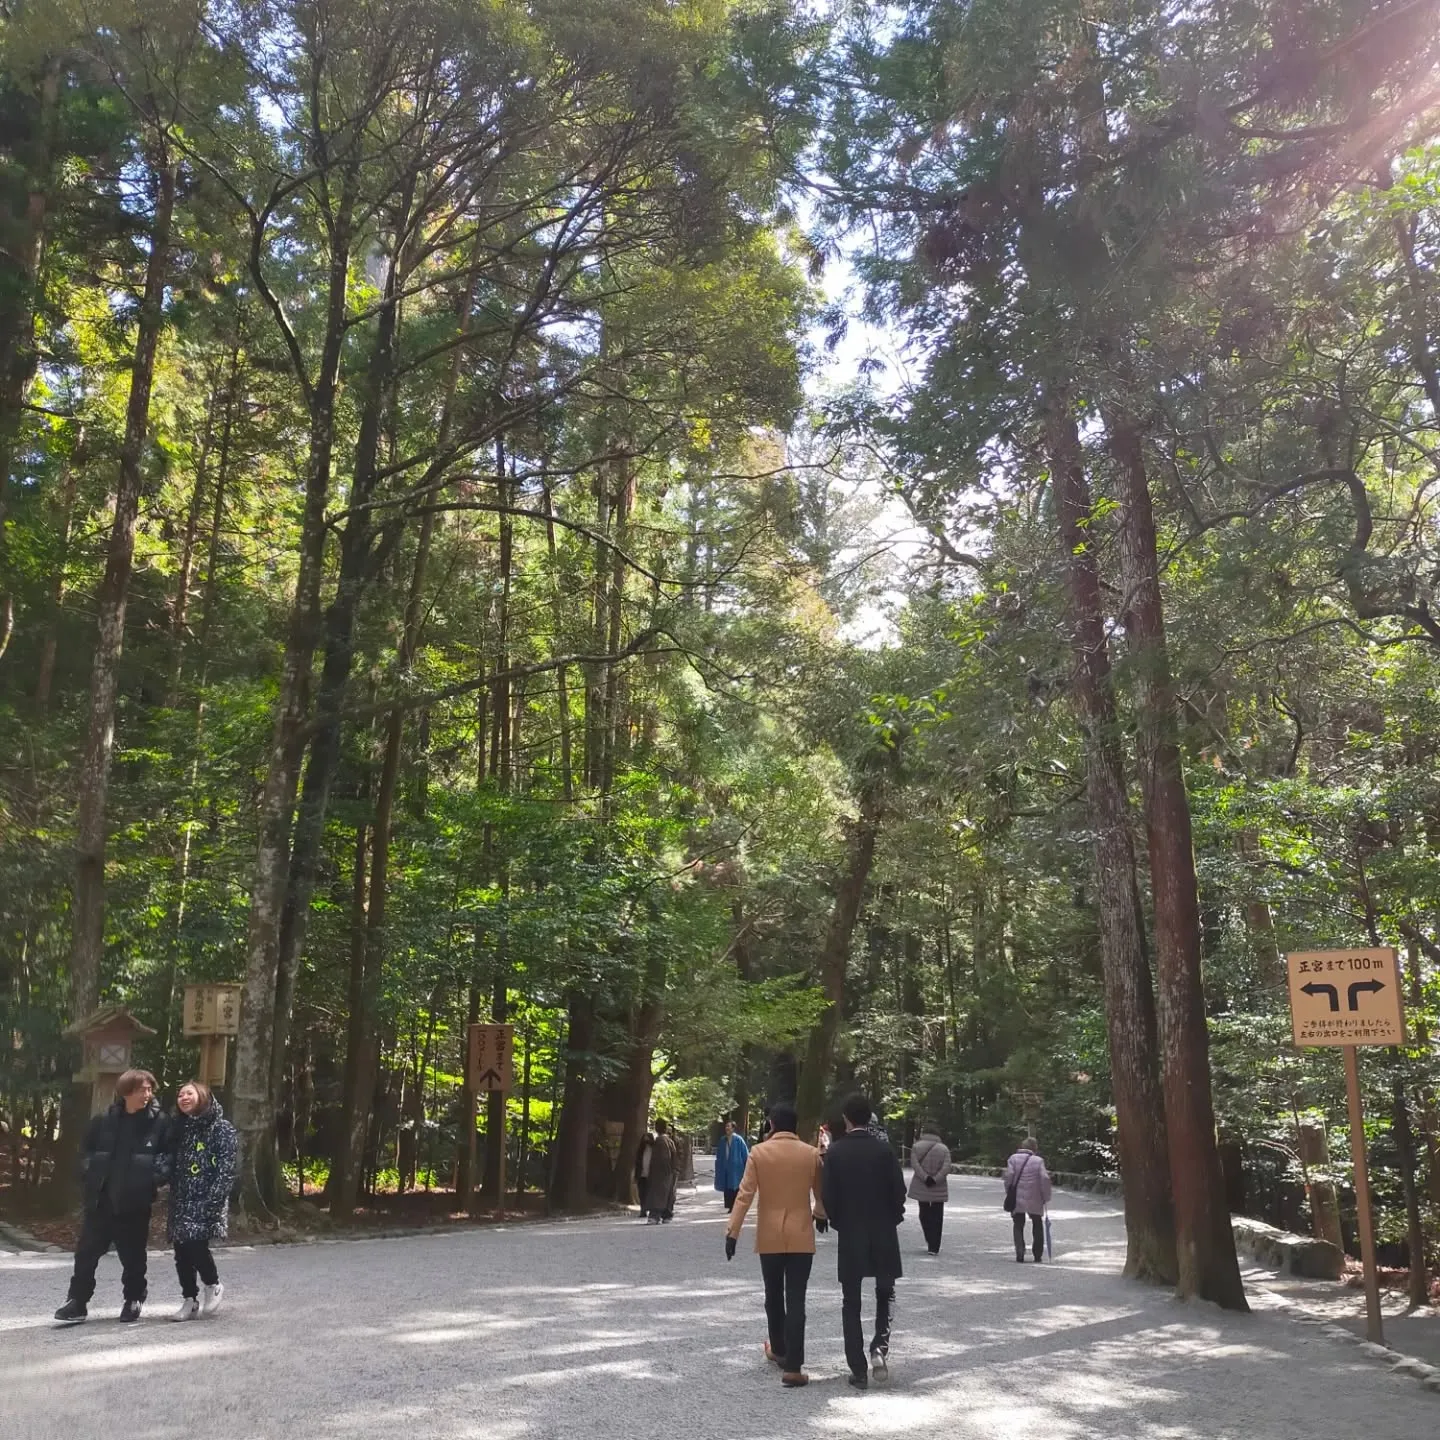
(450, 479)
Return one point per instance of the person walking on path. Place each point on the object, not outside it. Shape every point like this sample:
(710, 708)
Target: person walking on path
(204, 1160)
(664, 1176)
(930, 1184)
(122, 1164)
(783, 1174)
(864, 1192)
(731, 1155)
(1025, 1171)
(642, 1172)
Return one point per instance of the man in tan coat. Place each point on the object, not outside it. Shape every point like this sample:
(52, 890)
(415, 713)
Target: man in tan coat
(784, 1173)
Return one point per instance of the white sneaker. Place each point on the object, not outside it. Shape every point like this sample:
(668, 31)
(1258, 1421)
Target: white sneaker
(211, 1296)
(189, 1309)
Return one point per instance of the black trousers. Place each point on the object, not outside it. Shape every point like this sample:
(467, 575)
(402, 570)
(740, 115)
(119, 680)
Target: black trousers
(1038, 1224)
(642, 1187)
(195, 1266)
(932, 1221)
(101, 1229)
(850, 1320)
(787, 1277)
(730, 1198)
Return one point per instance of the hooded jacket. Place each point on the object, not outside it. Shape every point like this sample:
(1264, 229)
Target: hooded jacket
(1032, 1181)
(204, 1158)
(123, 1160)
(930, 1157)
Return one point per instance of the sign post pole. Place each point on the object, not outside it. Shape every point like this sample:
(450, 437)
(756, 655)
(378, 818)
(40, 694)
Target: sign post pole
(490, 1052)
(1374, 1324)
(1345, 999)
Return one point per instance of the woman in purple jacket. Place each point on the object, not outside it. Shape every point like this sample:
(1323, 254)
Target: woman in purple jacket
(1026, 1171)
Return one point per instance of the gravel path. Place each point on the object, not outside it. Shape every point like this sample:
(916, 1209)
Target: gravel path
(610, 1330)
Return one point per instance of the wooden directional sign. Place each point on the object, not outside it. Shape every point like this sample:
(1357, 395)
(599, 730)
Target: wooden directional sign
(491, 1048)
(1346, 997)
(212, 1009)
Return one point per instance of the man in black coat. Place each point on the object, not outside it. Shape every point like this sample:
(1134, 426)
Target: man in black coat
(122, 1163)
(864, 1194)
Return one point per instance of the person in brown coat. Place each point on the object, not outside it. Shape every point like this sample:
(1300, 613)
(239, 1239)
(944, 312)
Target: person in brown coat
(784, 1173)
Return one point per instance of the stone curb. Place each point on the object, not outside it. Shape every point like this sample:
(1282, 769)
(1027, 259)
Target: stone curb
(409, 1232)
(11, 1235)
(24, 1241)
(1063, 1179)
(1398, 1362)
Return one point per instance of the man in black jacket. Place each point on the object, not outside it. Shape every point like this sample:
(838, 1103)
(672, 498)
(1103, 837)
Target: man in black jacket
(122, 1163)
(864, 1192)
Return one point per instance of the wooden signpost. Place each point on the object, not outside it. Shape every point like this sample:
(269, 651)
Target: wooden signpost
(1349, 998)
(492, 1049)
(212, 1013)
(490, 1070)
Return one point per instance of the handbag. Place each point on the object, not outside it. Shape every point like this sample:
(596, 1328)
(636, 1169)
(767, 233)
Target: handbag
(931, 1176)
(1013, 1188)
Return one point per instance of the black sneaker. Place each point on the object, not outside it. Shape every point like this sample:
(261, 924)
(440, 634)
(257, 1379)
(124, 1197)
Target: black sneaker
(859, 1382)
(880, 1361)
(72, 1312)
(130, 1311)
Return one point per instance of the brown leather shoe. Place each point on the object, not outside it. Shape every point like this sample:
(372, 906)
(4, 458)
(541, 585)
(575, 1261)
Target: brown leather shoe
(772, 1357)
(794, 1379)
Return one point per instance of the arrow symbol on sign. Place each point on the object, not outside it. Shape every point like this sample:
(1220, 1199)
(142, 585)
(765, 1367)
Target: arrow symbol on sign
(1313, 989)
(490, 1079)
(1373, 986)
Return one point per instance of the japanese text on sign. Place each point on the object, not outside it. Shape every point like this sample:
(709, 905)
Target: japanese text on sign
(1345, 997)
(490, 1057)
(212, 1009)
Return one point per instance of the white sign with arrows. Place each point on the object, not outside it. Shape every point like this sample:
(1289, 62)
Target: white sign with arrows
(1346, 997)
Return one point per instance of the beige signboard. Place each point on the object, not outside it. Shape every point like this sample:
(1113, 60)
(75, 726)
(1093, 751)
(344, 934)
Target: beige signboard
(491, 1050)
(1346, 997)
(212, 1009)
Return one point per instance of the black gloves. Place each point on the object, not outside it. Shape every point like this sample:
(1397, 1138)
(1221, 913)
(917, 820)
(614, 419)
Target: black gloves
(930, 1180)
(822, 1225)
(729, 1247)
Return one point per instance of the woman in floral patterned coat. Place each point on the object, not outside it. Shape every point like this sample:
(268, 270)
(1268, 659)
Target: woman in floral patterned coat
(204, 1153)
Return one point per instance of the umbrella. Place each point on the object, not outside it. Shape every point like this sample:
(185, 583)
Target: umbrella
(1049, 1246)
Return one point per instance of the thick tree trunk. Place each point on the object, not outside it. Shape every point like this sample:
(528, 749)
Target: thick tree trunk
(94, 778)
(466, 1147)
(599, 629)
(610, 725)
(562, 680)
(568, 1190)
(1313, 1145)
(88, 917)
(502, 768)
(65, 520)
(180, 605)
(1205, 1243)
(339, 658)
(639, 1077)
(522, 1159)
(815, 1073)
(19, 358)
(1418, 1286)
(361, 1053)
(1129, 997)
(254, 1112)
(192, 799)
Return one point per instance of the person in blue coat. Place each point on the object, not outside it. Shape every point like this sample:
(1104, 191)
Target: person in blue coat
(731, 1153)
